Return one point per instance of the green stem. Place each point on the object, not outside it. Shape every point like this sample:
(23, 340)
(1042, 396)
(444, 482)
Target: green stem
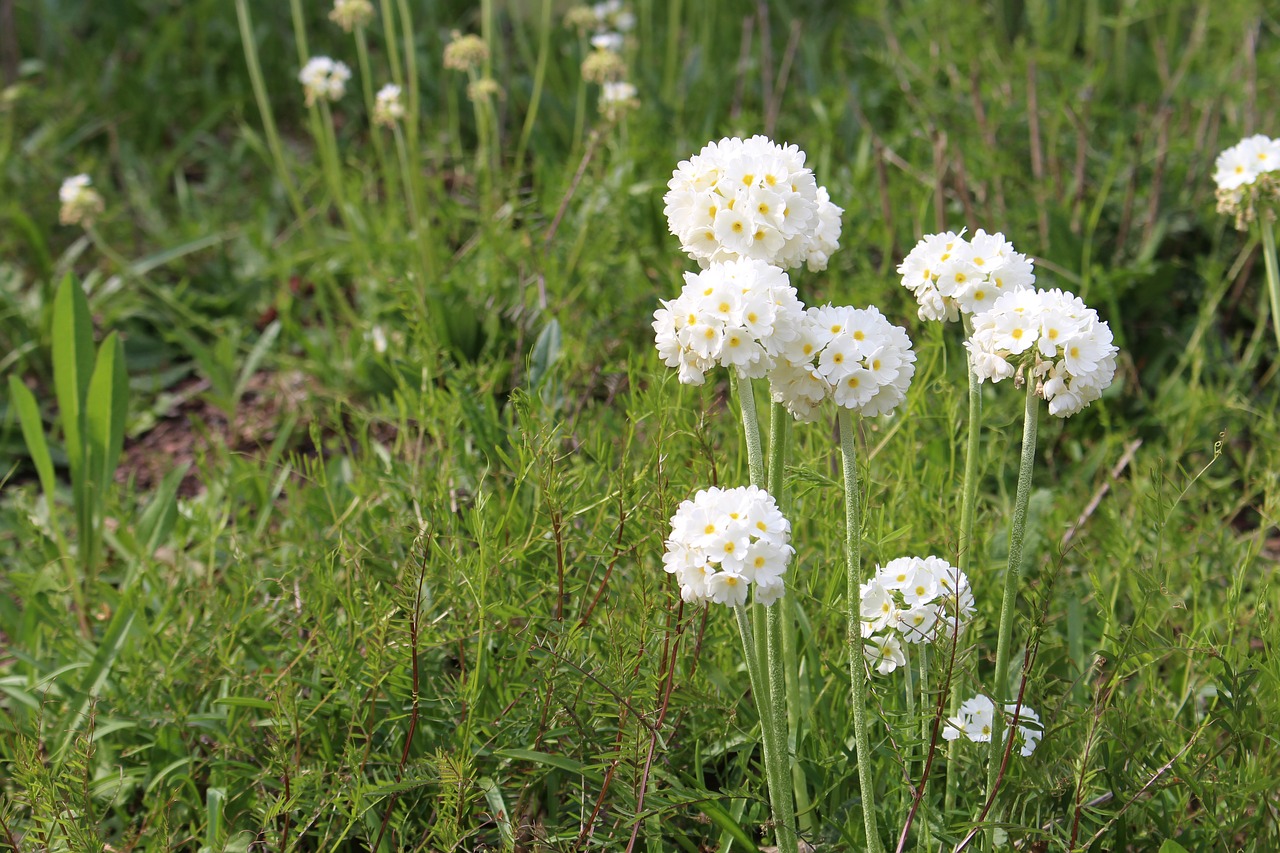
(264, 109)
(750, 426)
(779, 423)
(1000, 686)
(1268, 229)
(968, 512)
(774, 761)
(780, 793)
(857, 663)
(539, 75)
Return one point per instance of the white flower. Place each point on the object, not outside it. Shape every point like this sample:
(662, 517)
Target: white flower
(350, 14)
(1248, 173)
(607, 41)
(388, 108)
(81, 203)
(916, 600)
(950, 275)
(751, 199)
(739, 314)
(883, 654)
(854, 356)
(724, 542)
(323, 78)
(1056, 337)
(617, 98)
(976, 721)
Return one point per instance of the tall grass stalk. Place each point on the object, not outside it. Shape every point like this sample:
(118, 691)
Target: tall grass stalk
(1268, 228)
(968, 511)
(1013, 572)
(857, 663)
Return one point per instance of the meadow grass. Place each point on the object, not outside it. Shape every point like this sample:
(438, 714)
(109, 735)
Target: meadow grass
(408, 594)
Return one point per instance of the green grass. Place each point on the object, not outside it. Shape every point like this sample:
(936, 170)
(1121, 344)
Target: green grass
(416, 594)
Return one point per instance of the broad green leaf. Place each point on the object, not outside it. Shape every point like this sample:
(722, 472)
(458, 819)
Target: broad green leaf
(546, 350)
(725, 821)
(72, 367)
(1171, 846)
(104, 417)
(24, 402)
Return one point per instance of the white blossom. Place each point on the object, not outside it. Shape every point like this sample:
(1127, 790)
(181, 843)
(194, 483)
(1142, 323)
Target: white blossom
(81, 203)
(324, 79)
(950, 275)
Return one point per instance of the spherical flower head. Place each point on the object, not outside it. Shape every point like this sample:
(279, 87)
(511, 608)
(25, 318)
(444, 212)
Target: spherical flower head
(81, 203)
(739, 314)
(485, 88)
(617, 99)
(1055, 338)
(724, 543)
(914, 600)
(751, 199)
(580, 18)
(603, 66)
(1248, 179)
(860, 360)
(977, 721)
(465, 52)
(350, 14)
(388, 108)
(950, 275)
(324, 79)
(607, 41)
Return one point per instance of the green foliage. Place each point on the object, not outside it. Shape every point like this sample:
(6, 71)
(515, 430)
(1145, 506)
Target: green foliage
(400, 575)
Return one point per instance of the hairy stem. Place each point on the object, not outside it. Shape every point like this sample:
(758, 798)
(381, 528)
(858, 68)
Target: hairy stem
(857, 665)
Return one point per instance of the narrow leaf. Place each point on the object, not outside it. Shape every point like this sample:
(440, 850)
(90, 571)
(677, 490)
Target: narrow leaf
(24, 403)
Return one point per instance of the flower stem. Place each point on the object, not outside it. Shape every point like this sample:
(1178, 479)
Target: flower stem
(774, 750)
(857, 664)
(1000, 686)
(969, 495)
(779, 423)
(750, 427)
(1268, 229)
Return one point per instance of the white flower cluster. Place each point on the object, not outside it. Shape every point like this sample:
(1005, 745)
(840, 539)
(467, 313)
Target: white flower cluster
(350, 14)
(854, 356)
(977, 719)
(1061, 340)
(911, 600)
(617, 98)
(752, 199)
(738, 314)
(724, 542)
(950, 275)
(388, 108)
(324, 79)
(1247, 173)
(81, 203)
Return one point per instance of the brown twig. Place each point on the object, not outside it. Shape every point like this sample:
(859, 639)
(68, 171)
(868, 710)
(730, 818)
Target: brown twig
(613, 561)
(1037, 156)
(784, 72)
(744, 54)
(1125, 458)
(669, 654)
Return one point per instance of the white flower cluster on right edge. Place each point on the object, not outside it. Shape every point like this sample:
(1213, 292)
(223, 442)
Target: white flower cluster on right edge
(1055, 336)
(977, 719)
(1248, 175)
(725, 542)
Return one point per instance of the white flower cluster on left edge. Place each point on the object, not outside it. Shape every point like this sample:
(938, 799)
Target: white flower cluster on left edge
(725, 542)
